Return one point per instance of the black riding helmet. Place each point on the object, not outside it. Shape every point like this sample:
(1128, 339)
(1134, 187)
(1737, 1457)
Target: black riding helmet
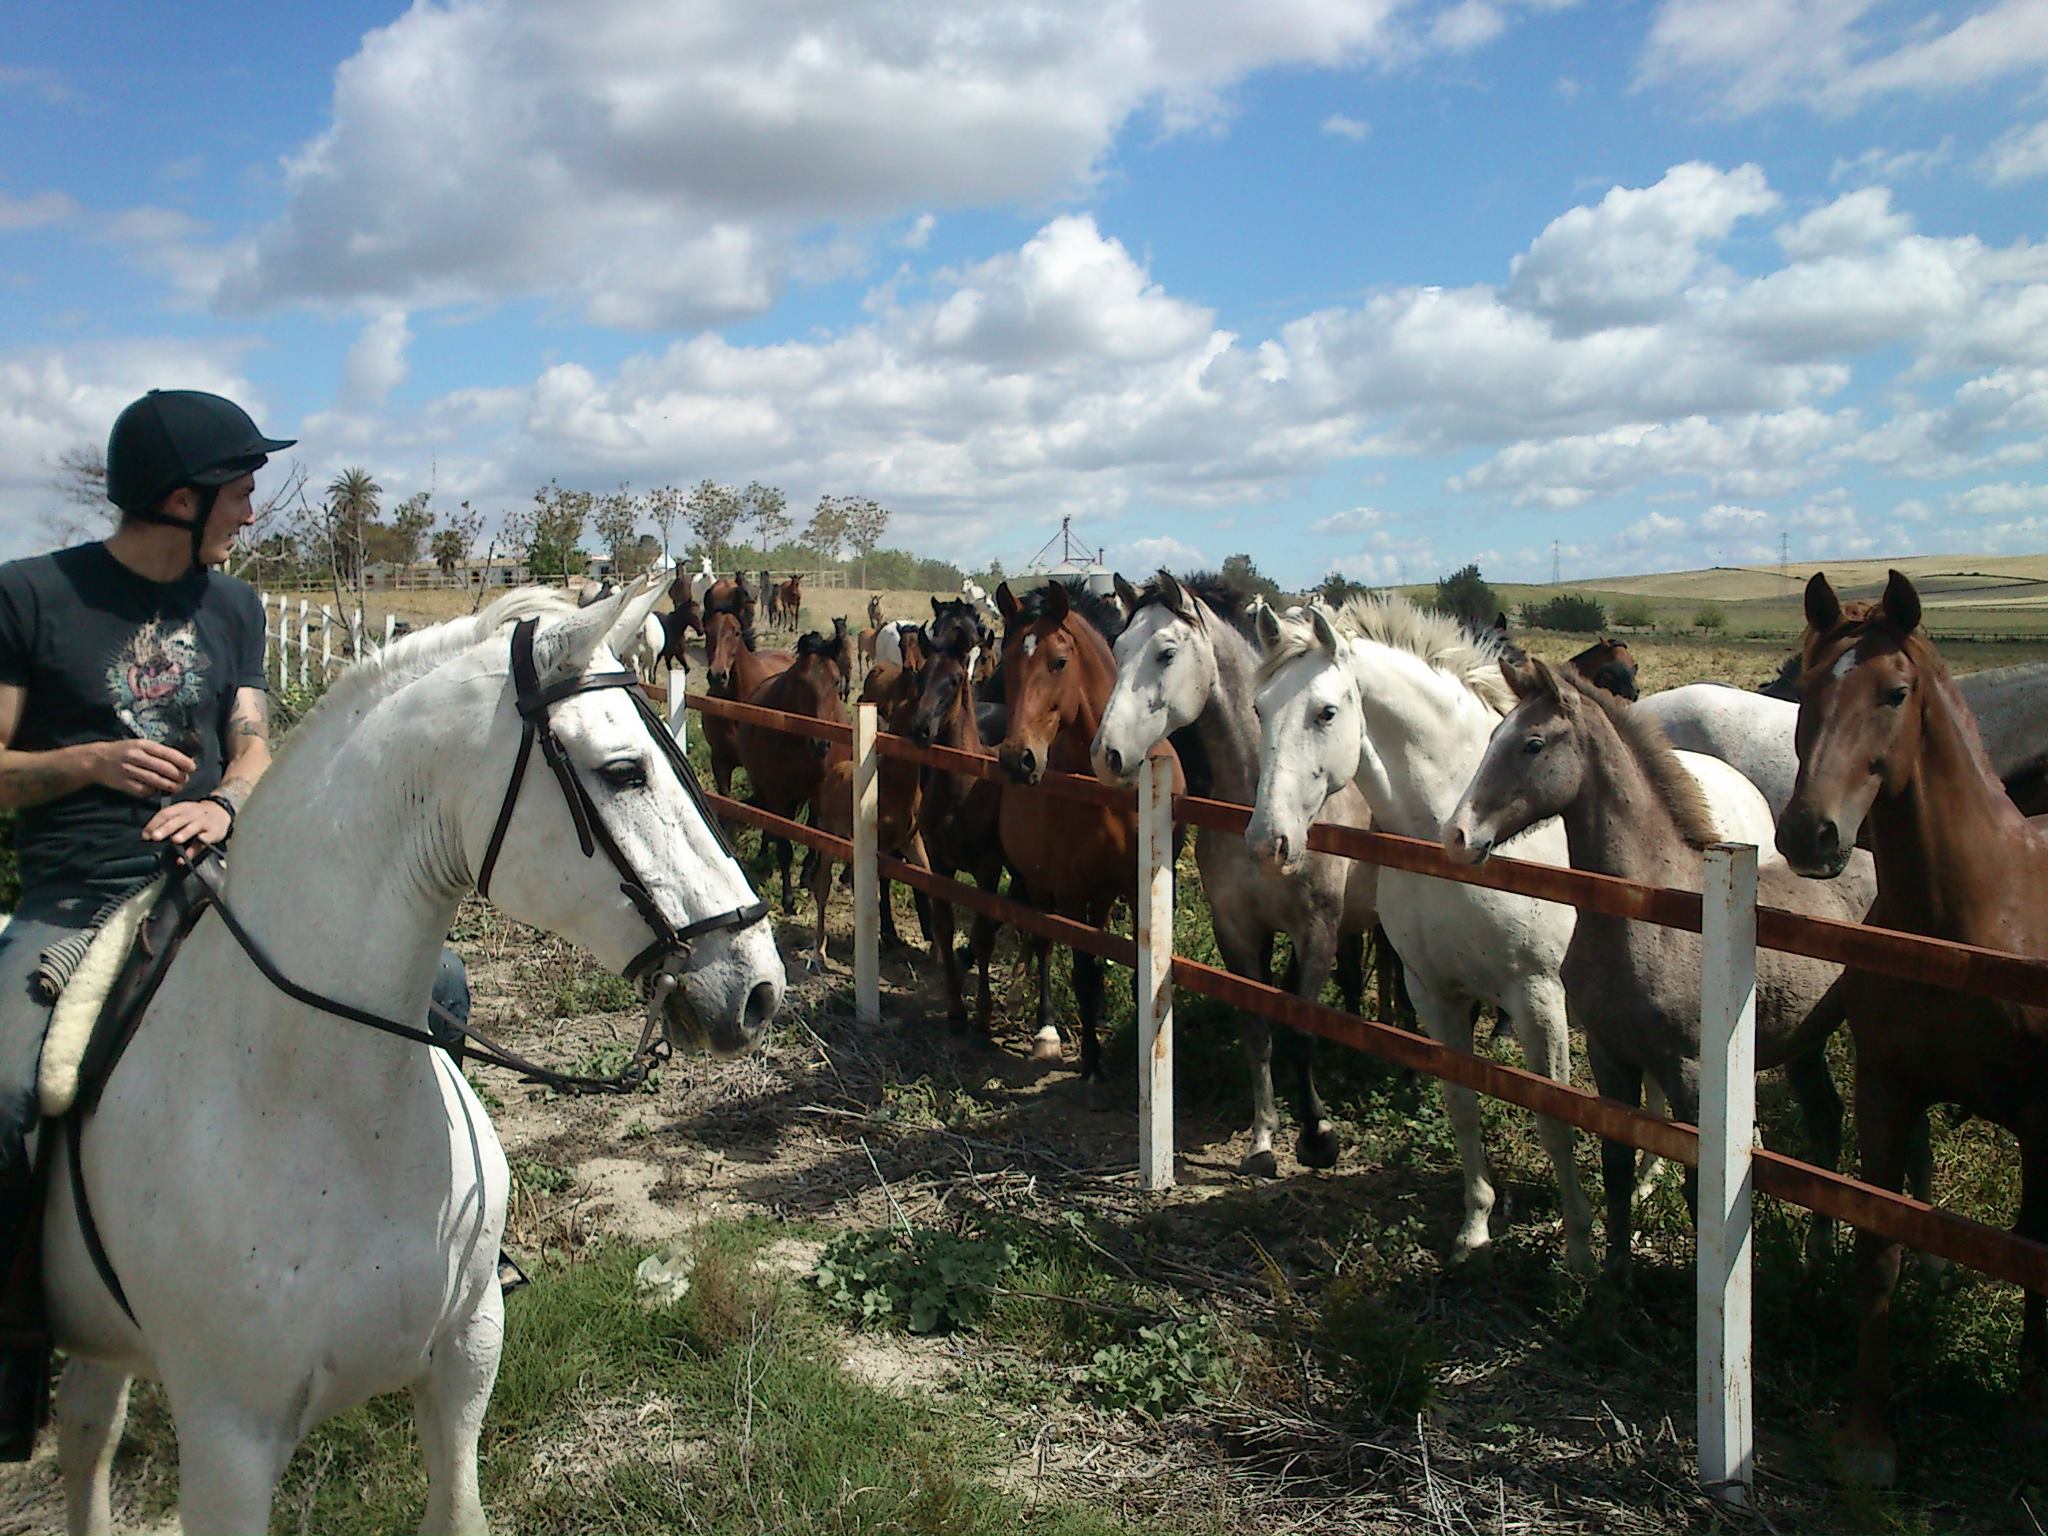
(178, 437)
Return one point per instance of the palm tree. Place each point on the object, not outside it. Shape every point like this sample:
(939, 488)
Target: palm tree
(351, 508)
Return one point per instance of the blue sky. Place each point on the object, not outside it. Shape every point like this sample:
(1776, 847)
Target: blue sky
(1374, 287)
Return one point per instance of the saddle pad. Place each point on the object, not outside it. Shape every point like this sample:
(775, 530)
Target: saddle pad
(78, 1007)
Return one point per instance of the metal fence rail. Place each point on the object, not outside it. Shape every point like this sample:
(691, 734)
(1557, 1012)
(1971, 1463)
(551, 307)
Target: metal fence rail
(1732, 927)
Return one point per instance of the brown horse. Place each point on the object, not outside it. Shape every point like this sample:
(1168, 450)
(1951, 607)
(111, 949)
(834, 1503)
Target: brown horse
(785, 770)
(1885, 738)
(957, 816)
(895, 694)
(786, 602)
(874, 610)
(1608, 664)
(734, 670)
(1077, 859)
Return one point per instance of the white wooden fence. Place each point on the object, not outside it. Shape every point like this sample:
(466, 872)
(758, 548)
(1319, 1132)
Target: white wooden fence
(291, 651)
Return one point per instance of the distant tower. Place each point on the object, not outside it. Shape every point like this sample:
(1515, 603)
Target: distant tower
(1784, 556)
(1554, 578)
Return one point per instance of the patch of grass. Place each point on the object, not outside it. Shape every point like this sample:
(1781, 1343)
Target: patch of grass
(727, 1413)
(541, 1176)
(1160, 1367)
(931, 1281)
(590, 990)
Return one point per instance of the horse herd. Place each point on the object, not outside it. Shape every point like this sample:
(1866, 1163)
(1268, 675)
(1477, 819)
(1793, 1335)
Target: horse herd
(1879, 793)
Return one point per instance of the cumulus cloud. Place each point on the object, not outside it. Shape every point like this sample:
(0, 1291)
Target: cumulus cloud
(1856, 221)
(1724, 517)
(2020, 154)
(1352, 520)
(1834, 55)
(376, 364)
(1343, 127)
(35, 210)
(1880, 164)
(658, 167)
(1627, 260)
(1160, 553)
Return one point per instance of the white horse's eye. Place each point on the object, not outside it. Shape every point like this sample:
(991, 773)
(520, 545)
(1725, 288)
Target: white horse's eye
(1326, 714)
(625, 773)
(1166, 657)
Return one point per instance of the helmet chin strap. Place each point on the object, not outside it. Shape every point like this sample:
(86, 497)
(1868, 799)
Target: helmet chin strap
(208, 495)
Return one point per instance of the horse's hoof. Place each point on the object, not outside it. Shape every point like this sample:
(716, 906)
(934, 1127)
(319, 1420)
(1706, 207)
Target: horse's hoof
(1474, 1255)
(1260, 1165)
(1318, 1148)
(1866, 1462)
(1046, 1047)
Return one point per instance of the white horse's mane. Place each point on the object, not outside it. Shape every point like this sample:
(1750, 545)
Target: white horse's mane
(1391, 620)
(391, 667)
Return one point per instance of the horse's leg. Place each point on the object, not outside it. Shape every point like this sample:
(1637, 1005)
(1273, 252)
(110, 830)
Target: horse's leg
(1821, 1104)
(1350, 970)
(1544, 1033)
(448, 1410)
(821, 891)
(1449, 1022)
(91, 1407)
(1315, 1141)
(1884, 1133)
(784, 857)
(1045, 1044)
(982, 941)
(1250, 954)
(228, 1467)
(1622, 1082)
(1088, 1000)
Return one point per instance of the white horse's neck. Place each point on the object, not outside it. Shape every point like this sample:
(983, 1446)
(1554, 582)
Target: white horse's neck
(1426, 729)
(347, 867)
(1227, 727)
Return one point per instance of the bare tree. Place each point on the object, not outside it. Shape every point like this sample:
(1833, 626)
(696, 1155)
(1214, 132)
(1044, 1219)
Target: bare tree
(617, 522)
(665, 510)
(409, 525)
(713, 511)
(82, 512)
(455, 538)
(768, 510)
(865, 519)
(825, 534)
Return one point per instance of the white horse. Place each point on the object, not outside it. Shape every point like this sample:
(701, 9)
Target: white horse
(1403, 703)
(889, 641)
(305, 1213)
(1185, 663)
(641, 651)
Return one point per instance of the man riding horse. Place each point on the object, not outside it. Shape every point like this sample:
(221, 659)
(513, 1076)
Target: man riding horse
(134, 719)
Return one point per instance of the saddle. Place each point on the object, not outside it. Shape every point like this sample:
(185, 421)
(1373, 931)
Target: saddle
(109, 987)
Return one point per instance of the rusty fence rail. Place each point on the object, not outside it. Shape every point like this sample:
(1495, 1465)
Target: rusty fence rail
(1732, 926)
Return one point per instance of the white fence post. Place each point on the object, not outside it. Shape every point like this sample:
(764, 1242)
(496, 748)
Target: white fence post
(355, 635)
(1155, 972)
(678, 714)
(326, 650)
(305, 639)
(283, 626)
(390, 628)
(1727, 1139)
(867, 904)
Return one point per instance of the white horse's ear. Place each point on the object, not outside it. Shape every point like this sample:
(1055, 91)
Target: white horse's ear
(1126, 594)
(1325, 631)
(640, 596)
(1265, 623)
(1177, 602)
(563, 648)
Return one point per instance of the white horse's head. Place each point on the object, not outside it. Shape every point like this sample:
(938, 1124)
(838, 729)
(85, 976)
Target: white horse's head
(734, 978)
(1165, 668)
(1311, 731)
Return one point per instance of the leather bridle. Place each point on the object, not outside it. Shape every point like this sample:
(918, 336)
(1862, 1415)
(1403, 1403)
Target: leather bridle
(670, 950)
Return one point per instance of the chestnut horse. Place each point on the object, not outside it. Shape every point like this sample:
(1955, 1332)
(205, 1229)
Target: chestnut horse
(785, 770)
(895, 694)
(1885, 737)
(957, 816)
(1078, 859)
(786, 602)
(734, 670)
(1608, 664)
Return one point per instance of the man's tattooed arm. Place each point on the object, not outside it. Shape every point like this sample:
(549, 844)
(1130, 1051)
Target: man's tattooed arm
(248, 744)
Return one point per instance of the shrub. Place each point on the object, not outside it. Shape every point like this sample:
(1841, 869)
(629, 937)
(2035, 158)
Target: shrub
(1568, 611)
(1385, 1361)
(931, 1280)
(1337, 590)
(1164, 1366)
(1634, 613)
(1710, 616)
(1464, 595)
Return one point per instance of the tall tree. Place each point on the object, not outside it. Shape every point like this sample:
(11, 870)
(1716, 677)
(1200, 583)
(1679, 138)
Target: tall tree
(455, 538)
(553, 532)
(409, 525)
(825, 534)
(713, 511)
(80, 482)
(351, 510)
(617, 522)
(768, 510)
(665, 510)
(866, 519)
(1465, 596)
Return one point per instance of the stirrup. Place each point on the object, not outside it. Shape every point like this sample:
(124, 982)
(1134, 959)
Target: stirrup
(510, 1276)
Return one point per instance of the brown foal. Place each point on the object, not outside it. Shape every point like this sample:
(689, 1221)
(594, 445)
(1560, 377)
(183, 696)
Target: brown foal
(1885, 737)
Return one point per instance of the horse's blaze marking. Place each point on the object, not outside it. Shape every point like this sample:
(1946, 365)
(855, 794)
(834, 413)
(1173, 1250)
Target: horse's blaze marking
(1844, 664)
(1031, 645)
(974, 661)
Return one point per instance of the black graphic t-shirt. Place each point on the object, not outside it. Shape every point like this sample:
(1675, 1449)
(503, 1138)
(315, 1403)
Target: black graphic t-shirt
(106, 655)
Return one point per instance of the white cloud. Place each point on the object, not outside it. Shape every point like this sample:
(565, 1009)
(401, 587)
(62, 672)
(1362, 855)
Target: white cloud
(1724, 517)
(1467, 25)
(376, 364)
(2003, 499)
(1879, 164)
(1343, 127)
(1161, 553)
(1352, 520)
(1835, 55)
(1856, 221)
(2021, 154)
(35, 211)
(657, 166)
(1629, 259)
(920, 231)
(1658, 528)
